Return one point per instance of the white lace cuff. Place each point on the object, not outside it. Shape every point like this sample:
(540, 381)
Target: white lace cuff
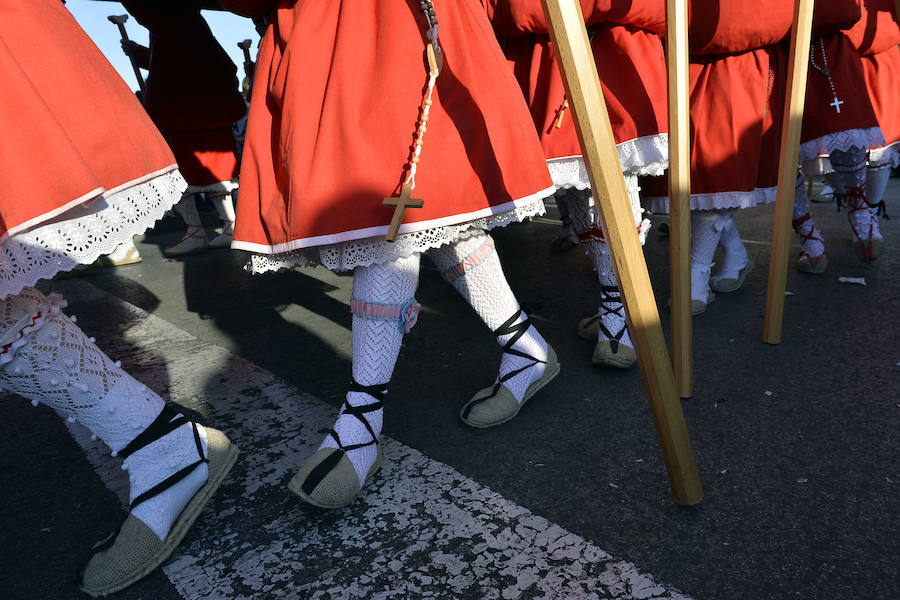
(841, 140)
(83, 234)
(660, 204)
(648, 155)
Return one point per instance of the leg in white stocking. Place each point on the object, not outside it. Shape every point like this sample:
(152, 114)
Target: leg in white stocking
(383, 310)
(736, 263)
(566, 239)
(194, 237)
(812, 254)
(168, 457)
(867, 240)
(607, 328)
(878, 172)
(472, 266)
(225, 208)
(706, 231)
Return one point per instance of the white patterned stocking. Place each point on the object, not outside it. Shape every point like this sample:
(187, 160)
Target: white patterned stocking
(376, 345)
(55, 363)
(472, 266)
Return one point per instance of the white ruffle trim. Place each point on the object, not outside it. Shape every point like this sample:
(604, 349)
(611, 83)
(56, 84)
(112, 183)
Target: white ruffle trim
(648, 155)
(841, 140)
(222, 187)
(30, 312)
(660, 204)
(363, 253)
(886, 156)
(85, 233)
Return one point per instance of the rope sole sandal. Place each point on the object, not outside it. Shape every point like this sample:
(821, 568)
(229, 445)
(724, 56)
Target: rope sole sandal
(328, 479)
(496, 405)
(133, 550)
(611, 352)
(728, 284)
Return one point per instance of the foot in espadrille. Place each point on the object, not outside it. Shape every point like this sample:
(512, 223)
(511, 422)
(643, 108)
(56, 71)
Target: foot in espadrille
(725, 281)
(528, 364)
(350, 454)
(614, 347)
(135, 550)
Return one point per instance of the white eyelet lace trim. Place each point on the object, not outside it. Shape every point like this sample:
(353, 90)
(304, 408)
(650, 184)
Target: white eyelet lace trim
(648, 155)
(841, 140)
(222, 187)
(660, 204)
(370, 251)
(888, 156)
(82, 235)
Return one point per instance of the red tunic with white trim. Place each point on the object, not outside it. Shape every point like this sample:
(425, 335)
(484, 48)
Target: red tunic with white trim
(192, 89)
(876, 36)
(838, 114)
(335, 104)
(82, 167)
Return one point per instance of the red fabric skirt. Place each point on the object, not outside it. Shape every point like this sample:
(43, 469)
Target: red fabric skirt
(336, 98)
(205, 157)
(632, 69)
(71, 127)
(882, 73)
(852, 122)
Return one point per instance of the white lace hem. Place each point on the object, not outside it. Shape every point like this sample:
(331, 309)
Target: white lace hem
(841, 140)
(375, 250)
(885, 156)
(648, 155)
(91, 230)
(660, 204)
(222, 187)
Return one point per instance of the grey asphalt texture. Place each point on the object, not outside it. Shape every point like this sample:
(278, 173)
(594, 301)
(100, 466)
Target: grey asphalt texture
(796, 443)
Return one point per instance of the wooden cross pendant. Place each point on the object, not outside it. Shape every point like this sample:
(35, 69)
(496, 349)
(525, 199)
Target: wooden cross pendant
(400, 205)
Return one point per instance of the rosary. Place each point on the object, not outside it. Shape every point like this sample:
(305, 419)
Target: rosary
(824, 71)
(435, 61)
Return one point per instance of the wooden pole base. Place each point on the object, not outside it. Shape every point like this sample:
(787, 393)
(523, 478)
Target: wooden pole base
(598, 146)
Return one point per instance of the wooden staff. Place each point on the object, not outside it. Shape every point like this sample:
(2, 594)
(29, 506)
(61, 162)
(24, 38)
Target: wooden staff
(801, 33)
(249, 66)
(680, 194)
(579, 74)
(120, 21)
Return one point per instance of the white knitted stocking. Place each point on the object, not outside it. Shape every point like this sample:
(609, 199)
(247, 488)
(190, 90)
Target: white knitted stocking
(734, 257)
(55, 363)
(187, 209)
(225, 209)
(813, 243)
(472, 266)
(706, 231)
(851, 166)
(376, 344)
(877, 177)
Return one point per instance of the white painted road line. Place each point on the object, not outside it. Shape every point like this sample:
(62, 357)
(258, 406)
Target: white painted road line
(420, 529)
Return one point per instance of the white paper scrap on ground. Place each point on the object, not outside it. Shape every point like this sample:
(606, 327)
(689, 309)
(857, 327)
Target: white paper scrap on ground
(856, 280)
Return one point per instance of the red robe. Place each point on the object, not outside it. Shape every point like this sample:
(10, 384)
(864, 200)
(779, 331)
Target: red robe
(192, 90)
(876, 36)
(335, 104)
(74, 137)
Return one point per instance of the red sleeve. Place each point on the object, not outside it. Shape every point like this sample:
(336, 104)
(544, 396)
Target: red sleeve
(512, 18)
(877, 30)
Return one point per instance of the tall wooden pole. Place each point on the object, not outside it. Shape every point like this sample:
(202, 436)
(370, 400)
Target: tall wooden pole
(579, 74)
(798, 65)
(680, 194)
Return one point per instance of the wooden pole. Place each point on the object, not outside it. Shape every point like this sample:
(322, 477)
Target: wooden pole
(579, 74)
(680, 194)
(798, 65)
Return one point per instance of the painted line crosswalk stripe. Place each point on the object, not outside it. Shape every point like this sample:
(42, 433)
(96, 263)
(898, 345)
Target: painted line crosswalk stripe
(419, 530)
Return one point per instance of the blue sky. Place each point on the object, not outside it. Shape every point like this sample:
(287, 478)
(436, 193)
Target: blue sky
(228, 28)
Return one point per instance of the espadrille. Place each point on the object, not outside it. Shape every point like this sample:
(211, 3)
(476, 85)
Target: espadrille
(869, 249)
(611, 353)
(134, 551)
(815, 265)
(731, 284)
(328, 479)
(589, 328)
(496, 405)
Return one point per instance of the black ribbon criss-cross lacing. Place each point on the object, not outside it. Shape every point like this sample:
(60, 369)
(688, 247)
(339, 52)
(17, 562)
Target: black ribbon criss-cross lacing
(607, 299)
(516, 330)
(166, 422)
(320, 471)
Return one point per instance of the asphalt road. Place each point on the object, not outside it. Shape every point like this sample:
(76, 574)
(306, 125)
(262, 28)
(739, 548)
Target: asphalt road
(797, 443)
